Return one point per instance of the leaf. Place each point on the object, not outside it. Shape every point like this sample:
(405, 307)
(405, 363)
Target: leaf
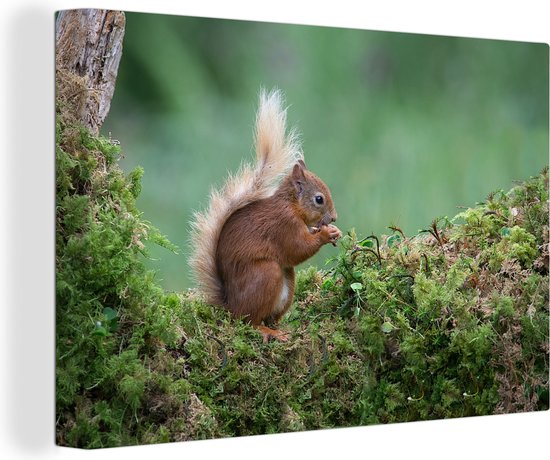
(393, 240)
(368, 243)
(109, 313)
(328, 283)
(356, 287)
(504, 231)
(387, 327)
(99, 329)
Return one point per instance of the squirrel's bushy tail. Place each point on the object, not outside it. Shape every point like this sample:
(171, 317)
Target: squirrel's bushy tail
(276, 152)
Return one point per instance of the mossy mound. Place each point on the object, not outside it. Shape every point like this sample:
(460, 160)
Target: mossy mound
(451, 322)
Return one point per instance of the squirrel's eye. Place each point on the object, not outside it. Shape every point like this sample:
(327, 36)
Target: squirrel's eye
(319, 199)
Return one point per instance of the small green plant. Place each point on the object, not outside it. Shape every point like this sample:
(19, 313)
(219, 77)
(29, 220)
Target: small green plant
(108, 324)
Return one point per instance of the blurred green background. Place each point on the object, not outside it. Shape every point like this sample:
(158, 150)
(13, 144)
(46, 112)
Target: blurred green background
(403, 128)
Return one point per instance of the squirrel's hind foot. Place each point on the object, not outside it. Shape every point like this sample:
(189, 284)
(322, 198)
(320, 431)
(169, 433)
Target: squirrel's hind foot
(268, 334)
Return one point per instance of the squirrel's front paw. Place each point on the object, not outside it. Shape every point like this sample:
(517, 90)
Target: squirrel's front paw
(330, 234)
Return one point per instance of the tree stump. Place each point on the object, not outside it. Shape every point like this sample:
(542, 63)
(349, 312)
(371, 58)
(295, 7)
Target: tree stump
(87, 54)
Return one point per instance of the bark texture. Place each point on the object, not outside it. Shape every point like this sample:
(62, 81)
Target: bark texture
(88, 52)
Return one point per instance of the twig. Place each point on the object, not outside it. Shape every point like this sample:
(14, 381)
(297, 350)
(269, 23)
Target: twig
(222, 350)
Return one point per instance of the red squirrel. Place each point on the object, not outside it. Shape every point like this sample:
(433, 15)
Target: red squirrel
(263, 222)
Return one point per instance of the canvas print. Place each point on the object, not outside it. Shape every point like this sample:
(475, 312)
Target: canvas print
(266, 228)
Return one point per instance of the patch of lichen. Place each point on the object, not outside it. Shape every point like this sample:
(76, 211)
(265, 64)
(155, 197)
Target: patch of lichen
(450, 322)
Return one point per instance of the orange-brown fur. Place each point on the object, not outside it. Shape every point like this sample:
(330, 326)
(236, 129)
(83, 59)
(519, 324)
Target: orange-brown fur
(261, 243)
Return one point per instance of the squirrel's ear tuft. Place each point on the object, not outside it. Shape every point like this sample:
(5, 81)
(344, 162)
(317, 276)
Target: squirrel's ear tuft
(302, 164)
(298, 171)
(298, 178)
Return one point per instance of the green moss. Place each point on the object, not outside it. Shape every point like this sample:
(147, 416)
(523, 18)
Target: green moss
(450, 322)
(520, 245)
